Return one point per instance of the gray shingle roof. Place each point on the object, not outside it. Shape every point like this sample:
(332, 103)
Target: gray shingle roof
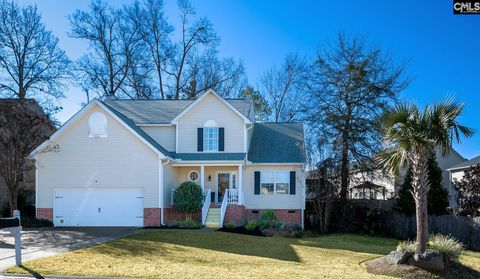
(142, 133)
(467, 164)
(277, 143)
(163, 111)
(210, 156)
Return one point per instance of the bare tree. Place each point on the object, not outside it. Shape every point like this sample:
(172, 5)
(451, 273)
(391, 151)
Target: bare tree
(155, 32)
(193, 35)
(284, 88)
(23, 125)
(112, 43)
(31, 61)
(207, 71)
(351, 85)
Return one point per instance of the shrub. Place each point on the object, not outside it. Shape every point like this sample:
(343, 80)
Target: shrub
(189, 224)
(448, 246)
(294, 231)
(188, 198)
(268, 220)
(406, 246)
(251, 225)
(231, 225)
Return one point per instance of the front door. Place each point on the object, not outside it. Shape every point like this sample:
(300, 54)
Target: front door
(223, 183)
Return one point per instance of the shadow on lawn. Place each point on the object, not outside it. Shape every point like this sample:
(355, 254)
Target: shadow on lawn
(32, 272)
(152, 244)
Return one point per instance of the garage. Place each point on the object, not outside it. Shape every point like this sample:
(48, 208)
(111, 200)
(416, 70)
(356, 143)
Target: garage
(105, 207)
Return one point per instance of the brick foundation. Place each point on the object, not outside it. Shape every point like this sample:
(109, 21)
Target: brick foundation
(287, 216)
(152, 217)
(45, 213)
(236, 214)
(173, 216)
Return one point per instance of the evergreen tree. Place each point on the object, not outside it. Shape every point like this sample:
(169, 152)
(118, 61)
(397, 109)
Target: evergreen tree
(437, 195)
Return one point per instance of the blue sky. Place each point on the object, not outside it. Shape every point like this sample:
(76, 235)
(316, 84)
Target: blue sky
(441, 49)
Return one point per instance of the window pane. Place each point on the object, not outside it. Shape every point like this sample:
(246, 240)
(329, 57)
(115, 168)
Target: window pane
(282, 177)
(266, 188)
(210, 139)
(266, 177)
(282, 188)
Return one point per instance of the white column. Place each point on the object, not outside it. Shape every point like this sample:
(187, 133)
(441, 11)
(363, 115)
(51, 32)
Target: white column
(202, 177)
(240, 184)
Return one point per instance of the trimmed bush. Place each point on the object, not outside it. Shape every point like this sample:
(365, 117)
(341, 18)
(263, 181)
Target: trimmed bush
(251, 225)
(268, 220)
(231, 225)
(406, 246)
(448, 246)
(188, 198)
(32, 222)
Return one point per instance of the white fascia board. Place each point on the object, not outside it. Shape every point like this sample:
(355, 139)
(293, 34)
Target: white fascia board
(81, 113)
(274, 164)
(210, 91)
(63, 127)
(206, 163)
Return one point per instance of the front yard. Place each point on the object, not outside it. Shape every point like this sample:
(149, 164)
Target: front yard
(208, 254)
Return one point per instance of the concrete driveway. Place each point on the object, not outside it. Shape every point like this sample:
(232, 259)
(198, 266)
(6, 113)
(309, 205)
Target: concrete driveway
(39, 243)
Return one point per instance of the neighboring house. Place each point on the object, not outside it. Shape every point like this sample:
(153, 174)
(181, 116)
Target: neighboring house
(379, 185)
(457, 172)
(27, 177)
(117, 162)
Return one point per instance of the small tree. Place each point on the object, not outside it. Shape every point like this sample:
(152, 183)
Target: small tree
(469, 192)
(188, 198)
(23, 126)
(437, 195)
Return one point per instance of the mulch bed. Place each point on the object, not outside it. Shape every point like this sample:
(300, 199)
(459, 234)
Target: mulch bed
(169, 228)
(453, 270)
(242, 230)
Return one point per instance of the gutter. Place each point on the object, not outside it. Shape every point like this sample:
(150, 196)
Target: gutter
(160, 193)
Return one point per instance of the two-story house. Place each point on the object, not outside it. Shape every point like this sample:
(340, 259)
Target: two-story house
(117, 162)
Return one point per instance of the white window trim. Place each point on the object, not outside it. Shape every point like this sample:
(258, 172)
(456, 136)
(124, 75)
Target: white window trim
(209, 124)
(274, 182)
(193, 171)
(92, 125)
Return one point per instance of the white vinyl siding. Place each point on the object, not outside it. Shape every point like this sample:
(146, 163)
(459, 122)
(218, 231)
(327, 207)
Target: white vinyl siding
(210, 108)
(119, 161)
(165, 136)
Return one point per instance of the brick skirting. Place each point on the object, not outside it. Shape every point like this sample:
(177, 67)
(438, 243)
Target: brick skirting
(173, 216)
(151, 217)
(288, 216)
(235, 214)
(45, 213)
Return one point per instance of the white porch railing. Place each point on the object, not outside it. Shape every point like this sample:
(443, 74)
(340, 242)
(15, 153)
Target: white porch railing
(232, 196)
(206, 205)
(223, 208)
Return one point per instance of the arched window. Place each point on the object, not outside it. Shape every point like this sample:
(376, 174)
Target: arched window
(97, 125)
(210, 136)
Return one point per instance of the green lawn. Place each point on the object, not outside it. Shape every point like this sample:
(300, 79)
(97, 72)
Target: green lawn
(208, 254)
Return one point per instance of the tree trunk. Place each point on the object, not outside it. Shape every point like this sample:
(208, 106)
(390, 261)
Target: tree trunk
(421, 185)
(13, 200)
(344, 172)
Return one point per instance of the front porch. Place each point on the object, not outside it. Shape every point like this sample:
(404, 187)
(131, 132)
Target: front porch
(222, 186)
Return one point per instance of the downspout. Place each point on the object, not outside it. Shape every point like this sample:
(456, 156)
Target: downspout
(160, 193)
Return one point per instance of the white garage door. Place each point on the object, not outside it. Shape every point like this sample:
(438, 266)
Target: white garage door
(98, 207)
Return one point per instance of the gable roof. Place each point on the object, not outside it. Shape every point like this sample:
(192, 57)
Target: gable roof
(198, 100)
(165, 111)
(127, 123)
(277, 143)
(467, 164)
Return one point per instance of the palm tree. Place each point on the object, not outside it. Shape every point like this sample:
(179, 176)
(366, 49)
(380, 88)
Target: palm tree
(409, 135)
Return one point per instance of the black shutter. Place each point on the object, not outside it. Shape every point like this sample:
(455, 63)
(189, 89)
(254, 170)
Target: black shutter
(292, 183)
(200, 139)
(221, 139)
(257, 183)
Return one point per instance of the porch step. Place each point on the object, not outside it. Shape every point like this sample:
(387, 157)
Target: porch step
(213, 218)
